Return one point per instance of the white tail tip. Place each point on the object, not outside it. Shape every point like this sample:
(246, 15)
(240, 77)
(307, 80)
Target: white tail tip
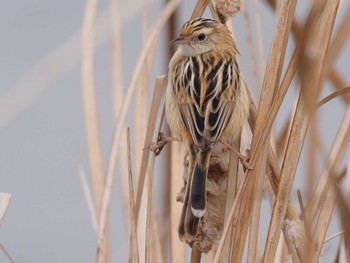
(197, 212)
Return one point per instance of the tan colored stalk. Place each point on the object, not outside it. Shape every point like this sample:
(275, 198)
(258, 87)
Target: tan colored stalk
(117, 98)
(7, 254)
(89, 103)
(231, 190)
(90, 114)
(273, 171)
(299, 128)
(199, 8)
(133, 247)
(251, 54)
(4, 203)
(155, 107)
(88, 198)
(149, 48)
(269, 88)
(333, 95)
(259, 39)
(324, 191)
(149, 210)
(141, 96)
(176, 172)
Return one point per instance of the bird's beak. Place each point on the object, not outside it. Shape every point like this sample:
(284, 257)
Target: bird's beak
(177, 41)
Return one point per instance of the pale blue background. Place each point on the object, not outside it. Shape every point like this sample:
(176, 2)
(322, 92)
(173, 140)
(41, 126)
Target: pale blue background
(42, 141)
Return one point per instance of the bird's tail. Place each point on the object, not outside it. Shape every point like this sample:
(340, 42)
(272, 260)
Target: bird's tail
(198, 184)
(195, 198)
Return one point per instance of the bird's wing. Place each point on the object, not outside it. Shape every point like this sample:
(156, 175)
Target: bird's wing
(206, 97)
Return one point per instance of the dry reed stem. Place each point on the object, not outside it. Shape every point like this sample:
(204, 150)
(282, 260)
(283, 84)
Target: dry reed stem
(117, 73)
(298, 131)
(149, 210)
(324, 193)
(338, 41)
(269, 88)
(333, 95)
(259, 38)
(117, 99)
(251, 54)
(195, 255)
(141, 95)
(155, 107)
(343, 205)
(199, 8)
(338, 82)
(231, 190)
(149, 48)
(332, 74)
(90, 114)
(88, 198)
(89, 103)
(7, 254)
(333, 236)
(159, 83)
(176, 171)
(133, 242)
(274, 172)
(4, 203)
(241, 228)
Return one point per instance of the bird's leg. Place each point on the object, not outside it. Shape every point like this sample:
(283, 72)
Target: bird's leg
(161, 141)
(244, 159)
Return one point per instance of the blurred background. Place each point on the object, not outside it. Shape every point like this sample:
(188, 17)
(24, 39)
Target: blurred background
(42, 137)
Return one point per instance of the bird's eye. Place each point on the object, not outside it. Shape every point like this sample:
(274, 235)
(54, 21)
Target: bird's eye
(201, 37)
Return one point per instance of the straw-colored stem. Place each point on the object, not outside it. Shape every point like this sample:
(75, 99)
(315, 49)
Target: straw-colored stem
(149, 48)
(4, 203)
(88, 198)
(298, 130)
(269, 88)
(89, 103)
(324, 193)
(231, 190)
(155, 107)
(133, 243)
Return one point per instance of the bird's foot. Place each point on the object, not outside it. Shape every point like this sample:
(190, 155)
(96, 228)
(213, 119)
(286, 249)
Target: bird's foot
(243, 159)
(161, 141)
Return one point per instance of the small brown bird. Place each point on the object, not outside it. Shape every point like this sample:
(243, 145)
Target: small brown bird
(205, 102)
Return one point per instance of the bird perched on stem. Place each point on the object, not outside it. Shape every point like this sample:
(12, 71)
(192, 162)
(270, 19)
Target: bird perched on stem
(205, 102)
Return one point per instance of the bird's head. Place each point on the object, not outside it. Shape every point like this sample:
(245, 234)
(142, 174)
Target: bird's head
(202, 35)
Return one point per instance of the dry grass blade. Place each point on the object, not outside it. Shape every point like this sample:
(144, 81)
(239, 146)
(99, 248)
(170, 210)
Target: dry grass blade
(176, 171)
(274, 172)
(149, 47)
(339, 40)
(270, 85)
(299, 128)
(259, 37)
(155, 107)
(324, 194)
(133, 247)
(88, 198)
(333, 236)
(149, 211)
(4, 203)
(117, 76)
(89, 103)
(199, 8)
(231, 189)
(344, 209)
(335, 94)
(6, 253)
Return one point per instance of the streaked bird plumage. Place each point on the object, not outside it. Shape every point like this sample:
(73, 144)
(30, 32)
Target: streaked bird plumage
(205, 101)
